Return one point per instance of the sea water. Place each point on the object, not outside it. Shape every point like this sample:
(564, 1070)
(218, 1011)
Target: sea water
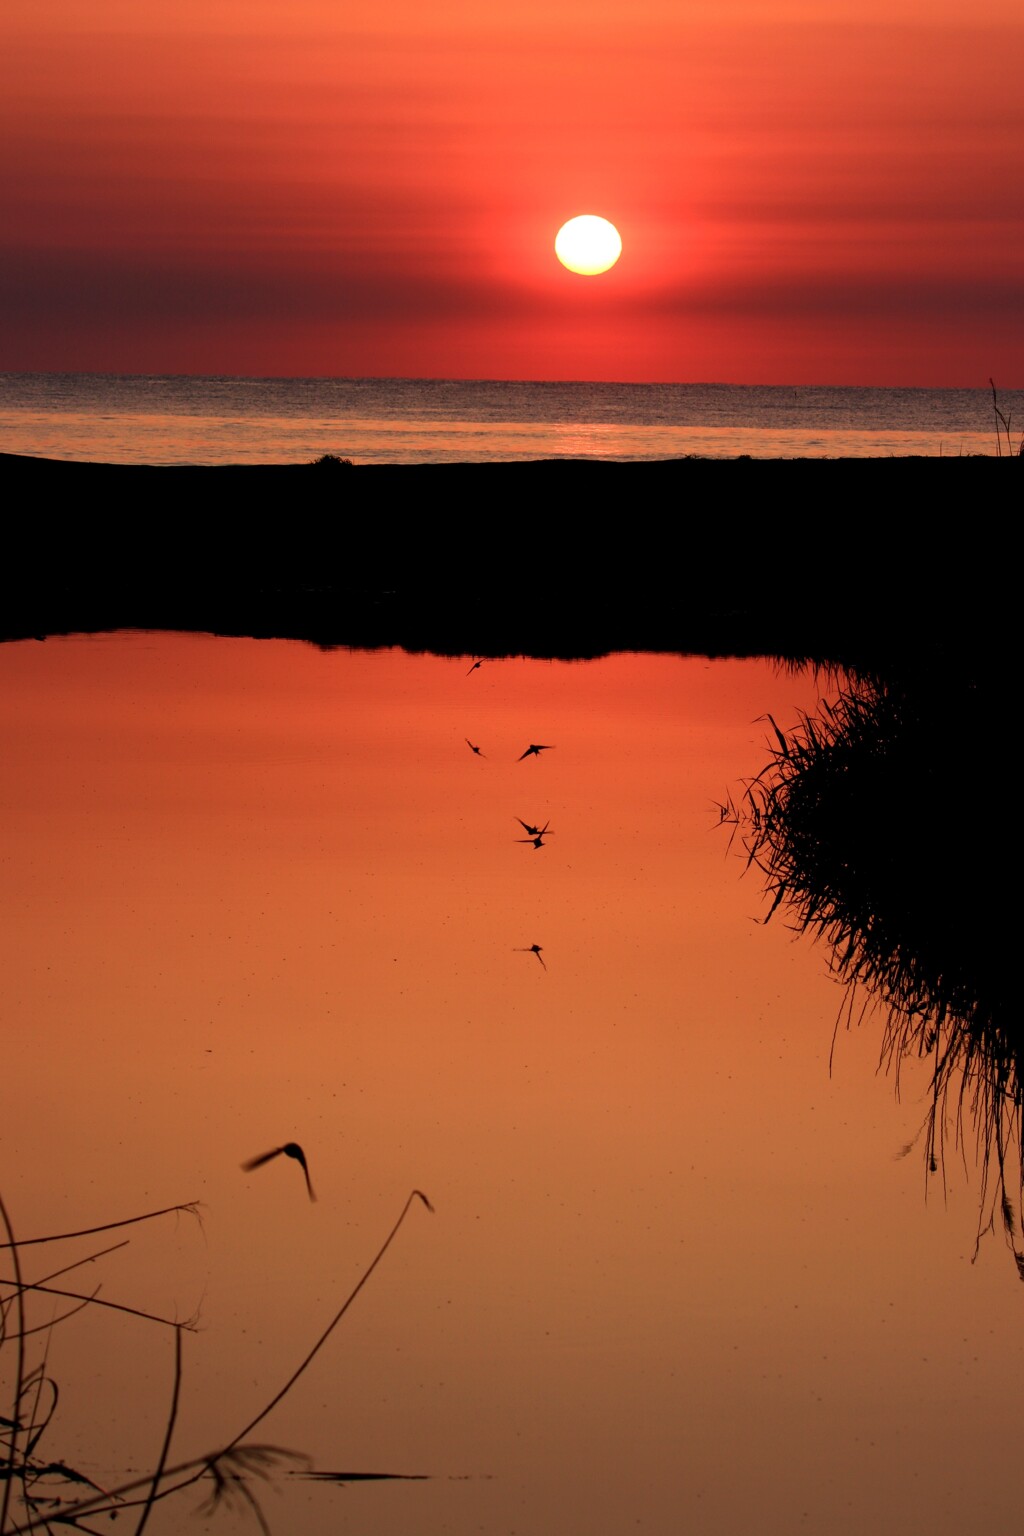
(190, 420)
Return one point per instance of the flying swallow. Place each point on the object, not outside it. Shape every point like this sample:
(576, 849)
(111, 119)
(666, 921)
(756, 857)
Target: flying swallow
(533, 750)
(534, 949)
(533, 831)
(290, 1149)
(471, 747)
(538, 837)
(474, 667)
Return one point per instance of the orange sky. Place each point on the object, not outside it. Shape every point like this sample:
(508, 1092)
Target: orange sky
(806, 193)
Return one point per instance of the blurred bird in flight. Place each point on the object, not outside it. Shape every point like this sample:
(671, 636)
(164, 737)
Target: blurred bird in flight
(533, 831)
(471, 747)
(533, 949)
(538, 836)
(534, 750)
(290, 1149)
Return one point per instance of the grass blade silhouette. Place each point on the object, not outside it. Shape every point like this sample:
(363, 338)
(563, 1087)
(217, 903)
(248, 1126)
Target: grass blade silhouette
(239, 1460)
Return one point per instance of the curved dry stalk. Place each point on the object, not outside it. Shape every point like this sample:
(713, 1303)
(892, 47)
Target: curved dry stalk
(94, 1300)
(237, 1458)
(172, 1416)
(19, 1373)
(37, 1427)
(1004, 422)
(322, 1340)
(48, 1327)
(91, 1258)
(191, 1208)
(84, 1302)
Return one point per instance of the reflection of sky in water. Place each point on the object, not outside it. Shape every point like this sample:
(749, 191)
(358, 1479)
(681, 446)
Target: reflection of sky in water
(214, 440)
(195, 420)
(677, 1277)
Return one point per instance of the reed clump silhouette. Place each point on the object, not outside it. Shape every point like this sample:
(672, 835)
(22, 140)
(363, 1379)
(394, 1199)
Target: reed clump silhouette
(871, 827)
(331, 461)
(1003, 424)
(38, 1491)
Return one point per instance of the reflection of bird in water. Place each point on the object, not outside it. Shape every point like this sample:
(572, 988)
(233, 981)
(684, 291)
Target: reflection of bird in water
(290, 1149)
(474, 667)
(539, 834)
(534, 949)
(534, 750)
(533, 831)
(471, 747)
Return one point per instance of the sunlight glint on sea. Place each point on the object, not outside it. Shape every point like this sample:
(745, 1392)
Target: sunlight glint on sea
(151, 420)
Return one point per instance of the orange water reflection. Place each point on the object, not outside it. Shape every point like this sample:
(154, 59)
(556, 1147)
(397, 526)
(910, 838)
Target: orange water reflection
(677, 1276)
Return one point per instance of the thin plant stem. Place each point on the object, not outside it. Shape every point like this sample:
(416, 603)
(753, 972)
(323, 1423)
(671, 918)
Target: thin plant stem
(94, 1299)
(165, 1448)
(91, 1258)
(196, 1468)
(322, 1340)
(190, 1206)
(71, 1312)
(19, 1373)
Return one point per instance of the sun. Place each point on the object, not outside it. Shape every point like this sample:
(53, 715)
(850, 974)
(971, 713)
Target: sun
(588, 245)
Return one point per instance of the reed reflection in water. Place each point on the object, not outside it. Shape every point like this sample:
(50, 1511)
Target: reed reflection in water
(865, 829)
(256, 893)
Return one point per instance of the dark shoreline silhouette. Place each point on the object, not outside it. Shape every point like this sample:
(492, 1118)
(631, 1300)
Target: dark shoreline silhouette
(836, 561)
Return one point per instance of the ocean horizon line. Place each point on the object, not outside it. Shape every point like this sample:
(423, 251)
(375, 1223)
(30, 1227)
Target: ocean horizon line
(221, 419)
(984, 387)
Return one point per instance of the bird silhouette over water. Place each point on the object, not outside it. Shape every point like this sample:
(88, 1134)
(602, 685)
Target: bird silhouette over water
(533, 831)
(471, 747)
(534, 750)
(290, 1149)
(538, 837)
(532, 949)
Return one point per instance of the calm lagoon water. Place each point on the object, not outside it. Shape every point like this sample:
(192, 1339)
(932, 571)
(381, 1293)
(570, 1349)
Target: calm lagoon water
(151, 420)
(679, 1275)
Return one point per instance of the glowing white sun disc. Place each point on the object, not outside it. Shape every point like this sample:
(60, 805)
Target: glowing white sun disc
(588, 244)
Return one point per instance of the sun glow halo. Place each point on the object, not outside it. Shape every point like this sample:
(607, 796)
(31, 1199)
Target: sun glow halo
(588, 245)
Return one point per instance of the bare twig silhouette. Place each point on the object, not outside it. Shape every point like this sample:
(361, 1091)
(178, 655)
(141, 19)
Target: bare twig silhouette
(228, 1468)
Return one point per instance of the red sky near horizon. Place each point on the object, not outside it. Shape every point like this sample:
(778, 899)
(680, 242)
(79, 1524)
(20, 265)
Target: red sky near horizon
(806, 193)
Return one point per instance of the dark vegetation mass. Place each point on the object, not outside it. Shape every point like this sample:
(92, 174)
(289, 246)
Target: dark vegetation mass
(871, 826)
